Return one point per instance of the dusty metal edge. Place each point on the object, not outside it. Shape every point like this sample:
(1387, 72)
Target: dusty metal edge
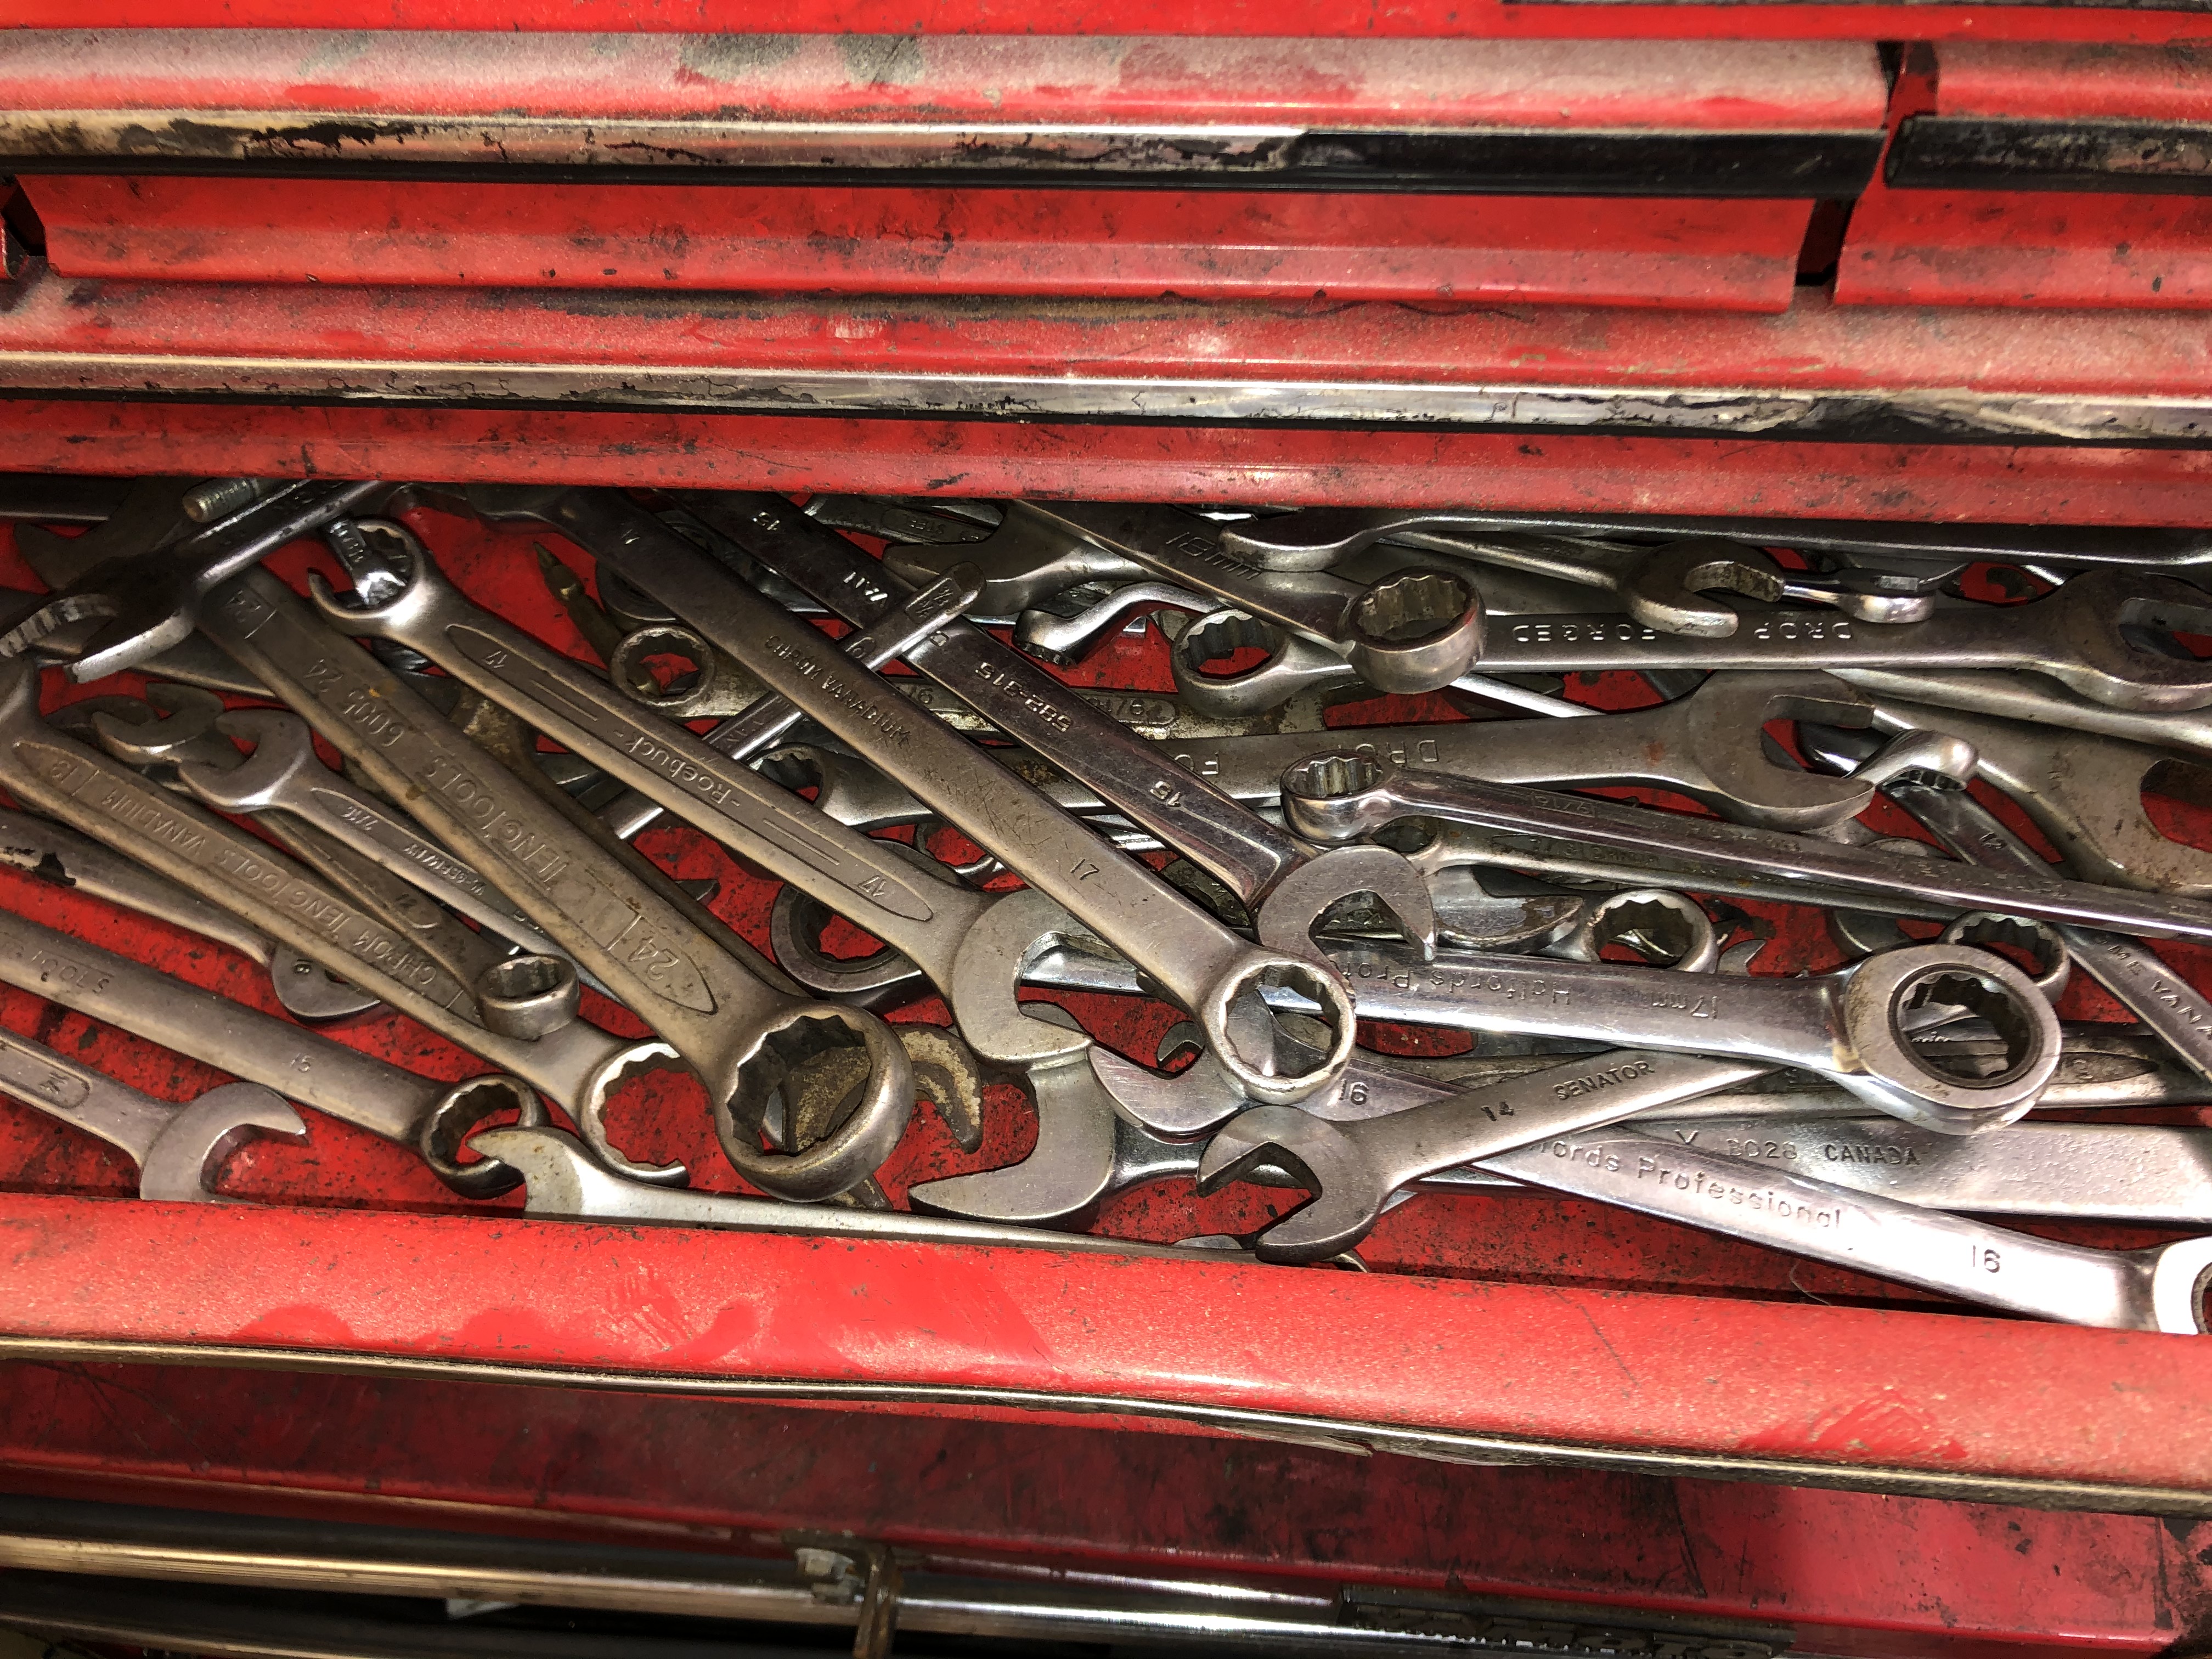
(1326, 1434)
(1923, 414)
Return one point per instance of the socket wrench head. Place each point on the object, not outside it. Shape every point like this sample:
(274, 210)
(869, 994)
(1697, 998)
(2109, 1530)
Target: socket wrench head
(1888, 997)
(868, 1124)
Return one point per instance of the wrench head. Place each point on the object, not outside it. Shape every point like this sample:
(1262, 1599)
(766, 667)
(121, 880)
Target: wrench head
(2180, 1285)
(458, 1113)
(1339, 795)
(1347, 1203)
(284, 750)
(2104, 616)
(1722, 724)
(180, 725)
(1292, 664)
(1288, 915)
(1665, 929)
(310, 991)
(1417, 630)
(1885, 996)
(874, 1117)
(1667, 586)
(189, 1153)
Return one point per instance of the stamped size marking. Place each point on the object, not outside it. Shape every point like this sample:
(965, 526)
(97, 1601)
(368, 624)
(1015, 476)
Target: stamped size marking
(33, 1073)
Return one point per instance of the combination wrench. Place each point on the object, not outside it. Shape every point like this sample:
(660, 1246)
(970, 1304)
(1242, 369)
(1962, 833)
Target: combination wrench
(2078, 635)
(519, 1021)
(1196, 961)
(1338, 797)
(1354, 1168)
(739, 1030)
(180, 1151)
(54, 853)
(342, 1083)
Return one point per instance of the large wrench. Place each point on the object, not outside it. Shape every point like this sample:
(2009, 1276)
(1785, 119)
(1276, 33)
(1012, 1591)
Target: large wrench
(2077, 635)
(1411, 631)
(348, 1085)
(739, 1032)
(2155, 1290)
(1336, 797)
(1193, 958)
(55, 853)
(180, 1149)
(574, 1062)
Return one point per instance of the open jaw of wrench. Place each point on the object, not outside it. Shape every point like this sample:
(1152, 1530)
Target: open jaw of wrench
(347, 1085)
(1336, 797)
(2085, 635)
(1706, 745)
(739, 1033)
(1411, 631)
(180, 1149)
(571, 1060)
(2162, 1289)
(1196, 961)
(2085, 793)
(53, 852)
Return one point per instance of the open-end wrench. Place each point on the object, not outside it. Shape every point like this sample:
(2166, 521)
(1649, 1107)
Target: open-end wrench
(348, 1085)
(521, 1022)
(739, 1031)
(1411, 631)
(2162, 998)
(1337, 797)
(1706, 746)
(2079, 635)
(149, 601)
(2084, 792)
(1193, 957)
(2032, 698)
(55, 853)
(282, 773)
(180, 1149)
(2160, 1289)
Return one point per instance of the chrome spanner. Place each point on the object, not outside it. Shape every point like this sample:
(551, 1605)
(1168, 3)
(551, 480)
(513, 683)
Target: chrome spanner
(347, 1085)
(523, 1024)
(54, 853)
(180, 1149)
(2077, 635)
(2160, 1289)
(740, 1032)
(2031, 697)
(1336, 797)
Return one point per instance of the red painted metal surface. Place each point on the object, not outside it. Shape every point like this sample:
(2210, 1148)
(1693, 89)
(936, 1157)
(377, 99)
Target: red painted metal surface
(1570, 1327)
(1206, 244)
(2040, 248)
(1027, 74)
(1861, 20)
(1853, 1574)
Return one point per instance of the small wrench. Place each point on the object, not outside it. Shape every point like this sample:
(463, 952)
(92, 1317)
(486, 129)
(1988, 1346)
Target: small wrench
(1337, 797)
(53, 852)
(348, 1085)
(2077, 635)
(180, 1149)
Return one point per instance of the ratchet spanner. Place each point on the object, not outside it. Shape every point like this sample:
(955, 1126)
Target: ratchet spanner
(739, 1031)
(347, 1085)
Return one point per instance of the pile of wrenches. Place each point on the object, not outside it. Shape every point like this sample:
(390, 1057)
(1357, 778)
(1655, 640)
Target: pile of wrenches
(1299, 891)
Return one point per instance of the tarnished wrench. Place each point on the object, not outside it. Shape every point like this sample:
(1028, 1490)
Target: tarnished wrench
(1195, 960)
(971, 946)
(347, 1085)
(2163, 1000)
(2031, 697)
(739, 1031)
(1354, 1168)
(1334, 796)
(282, 773)
(1706, 746)
(55, 853)
(522, 1021)
(180, 1149)
(2077, 635)
(1663, 587)
(1411, 631)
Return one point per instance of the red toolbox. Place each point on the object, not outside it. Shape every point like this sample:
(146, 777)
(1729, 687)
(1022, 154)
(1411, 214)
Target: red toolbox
(1845, 262)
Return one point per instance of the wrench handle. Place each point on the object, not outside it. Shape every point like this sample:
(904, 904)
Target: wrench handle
(78, 1095)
